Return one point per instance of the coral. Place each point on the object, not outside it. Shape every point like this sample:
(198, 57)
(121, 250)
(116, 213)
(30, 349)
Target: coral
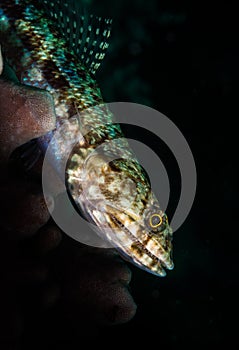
(25, 113)
(41, 267)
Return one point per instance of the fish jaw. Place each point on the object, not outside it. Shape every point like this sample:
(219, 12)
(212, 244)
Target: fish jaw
(148, 251)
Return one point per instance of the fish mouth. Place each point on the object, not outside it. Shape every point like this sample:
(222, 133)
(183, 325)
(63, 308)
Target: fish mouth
(139, 249)
(131, 248)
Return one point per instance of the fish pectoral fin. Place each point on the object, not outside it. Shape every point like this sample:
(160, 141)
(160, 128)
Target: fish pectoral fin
(87, 35)
(27, 154)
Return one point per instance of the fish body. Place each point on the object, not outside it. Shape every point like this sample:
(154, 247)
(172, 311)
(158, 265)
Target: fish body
(52, 46)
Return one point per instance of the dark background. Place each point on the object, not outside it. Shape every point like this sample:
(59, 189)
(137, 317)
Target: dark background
(183, 62)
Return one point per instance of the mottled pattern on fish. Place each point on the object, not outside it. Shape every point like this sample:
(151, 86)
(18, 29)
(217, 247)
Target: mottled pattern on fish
(50, 45)
(41, 58)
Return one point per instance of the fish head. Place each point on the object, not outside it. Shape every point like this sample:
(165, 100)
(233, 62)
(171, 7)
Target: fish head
(118, 198)
(144, 239)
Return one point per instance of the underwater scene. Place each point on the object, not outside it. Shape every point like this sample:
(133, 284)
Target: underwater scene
(84, 85)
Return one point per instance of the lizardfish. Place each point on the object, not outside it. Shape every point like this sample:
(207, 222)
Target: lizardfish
(53, 45)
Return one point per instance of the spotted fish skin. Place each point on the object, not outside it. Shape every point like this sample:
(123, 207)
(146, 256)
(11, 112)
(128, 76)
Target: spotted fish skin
(41, 57)
(51, 46)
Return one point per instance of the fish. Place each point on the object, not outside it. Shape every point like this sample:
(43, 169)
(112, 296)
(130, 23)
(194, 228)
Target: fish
(57, 46)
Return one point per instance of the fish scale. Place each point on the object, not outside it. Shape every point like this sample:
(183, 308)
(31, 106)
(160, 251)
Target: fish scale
(57, 46)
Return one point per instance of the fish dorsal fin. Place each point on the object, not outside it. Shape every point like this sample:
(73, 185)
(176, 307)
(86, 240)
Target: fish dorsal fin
(87, 35)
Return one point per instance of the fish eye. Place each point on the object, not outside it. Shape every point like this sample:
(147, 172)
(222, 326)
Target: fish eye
(155, 221)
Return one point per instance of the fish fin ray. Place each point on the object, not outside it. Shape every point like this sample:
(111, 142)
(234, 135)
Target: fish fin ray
(87, 35)
(27, 154)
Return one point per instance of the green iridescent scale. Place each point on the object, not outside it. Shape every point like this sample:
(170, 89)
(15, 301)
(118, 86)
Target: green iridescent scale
(52, 46)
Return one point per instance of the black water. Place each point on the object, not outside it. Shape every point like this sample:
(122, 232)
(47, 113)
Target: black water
(186, 66)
